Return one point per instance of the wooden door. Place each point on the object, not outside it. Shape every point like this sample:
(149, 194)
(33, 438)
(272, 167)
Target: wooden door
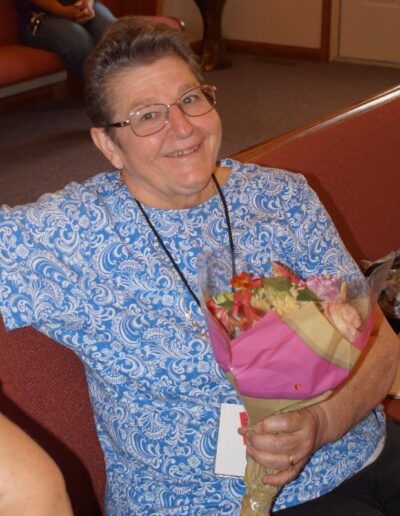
(370, 30)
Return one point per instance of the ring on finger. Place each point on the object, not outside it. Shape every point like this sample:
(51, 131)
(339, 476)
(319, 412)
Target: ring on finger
(292, 462)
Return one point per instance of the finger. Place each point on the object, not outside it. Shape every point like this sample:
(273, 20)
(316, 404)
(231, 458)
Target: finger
(280, 478)
(243, 430)
(290, 422)
(276, 462)
(281, 469)
(279, 452)
(277, 443)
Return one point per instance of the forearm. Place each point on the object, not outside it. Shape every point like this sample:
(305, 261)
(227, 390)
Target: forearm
(50, 6)
(30, 482)
(298, 434)
(367, 386)
(80, 11)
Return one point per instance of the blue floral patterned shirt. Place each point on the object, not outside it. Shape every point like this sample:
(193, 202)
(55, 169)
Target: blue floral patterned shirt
(82, 266)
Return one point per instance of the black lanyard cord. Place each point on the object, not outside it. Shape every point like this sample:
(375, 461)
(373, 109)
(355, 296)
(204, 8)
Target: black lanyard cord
(169, 255)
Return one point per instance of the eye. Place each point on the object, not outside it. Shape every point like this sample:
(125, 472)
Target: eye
(148, 114)
(191, 98)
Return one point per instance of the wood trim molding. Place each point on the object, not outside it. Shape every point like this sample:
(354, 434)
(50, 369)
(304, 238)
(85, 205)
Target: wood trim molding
(326, 24)
(272, 50)
(252, 154)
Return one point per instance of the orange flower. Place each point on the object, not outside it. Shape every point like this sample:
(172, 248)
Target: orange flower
(222, 314)
(244, 280)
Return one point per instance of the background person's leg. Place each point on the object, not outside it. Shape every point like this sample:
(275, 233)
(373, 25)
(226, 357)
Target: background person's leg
(97, 25)
(71, 41)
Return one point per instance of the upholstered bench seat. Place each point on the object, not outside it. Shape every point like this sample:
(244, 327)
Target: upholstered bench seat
(19, 63)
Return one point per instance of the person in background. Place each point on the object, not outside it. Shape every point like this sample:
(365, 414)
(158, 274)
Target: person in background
(108, 268)
(69, 28)
(30, 482)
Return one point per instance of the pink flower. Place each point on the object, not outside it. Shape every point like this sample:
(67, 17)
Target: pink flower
(326, 289)
(345, 318)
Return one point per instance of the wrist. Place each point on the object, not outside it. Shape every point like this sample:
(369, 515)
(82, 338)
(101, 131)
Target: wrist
(61, 11)
(57, 8)
(321, 424)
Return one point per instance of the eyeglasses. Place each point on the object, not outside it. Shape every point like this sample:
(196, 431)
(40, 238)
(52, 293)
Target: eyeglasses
(151, 119)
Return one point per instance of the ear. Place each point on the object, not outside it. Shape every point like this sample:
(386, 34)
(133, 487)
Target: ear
(107, 146)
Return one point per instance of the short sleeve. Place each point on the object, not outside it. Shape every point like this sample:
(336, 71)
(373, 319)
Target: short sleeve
(40, 256)
(320, 250)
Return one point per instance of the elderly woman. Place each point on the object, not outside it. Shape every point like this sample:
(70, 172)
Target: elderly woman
(108, 269)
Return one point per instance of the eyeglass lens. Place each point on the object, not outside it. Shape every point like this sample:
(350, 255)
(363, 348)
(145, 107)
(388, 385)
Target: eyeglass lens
(152, 118)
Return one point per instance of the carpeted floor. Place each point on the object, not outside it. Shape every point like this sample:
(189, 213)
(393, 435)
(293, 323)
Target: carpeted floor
(46, 145)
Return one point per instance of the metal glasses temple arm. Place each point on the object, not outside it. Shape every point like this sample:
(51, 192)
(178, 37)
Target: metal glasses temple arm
(119, 124)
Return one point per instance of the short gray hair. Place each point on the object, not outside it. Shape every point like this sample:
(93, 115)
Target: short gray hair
(129, 43)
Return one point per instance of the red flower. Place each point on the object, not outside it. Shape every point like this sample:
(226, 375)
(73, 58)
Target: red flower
(222, 314)
(244, 314)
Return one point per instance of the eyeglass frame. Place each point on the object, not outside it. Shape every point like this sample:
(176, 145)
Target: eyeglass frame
(126, 123)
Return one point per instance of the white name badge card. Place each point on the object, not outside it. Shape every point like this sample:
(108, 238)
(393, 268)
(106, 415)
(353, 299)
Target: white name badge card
(231, 446)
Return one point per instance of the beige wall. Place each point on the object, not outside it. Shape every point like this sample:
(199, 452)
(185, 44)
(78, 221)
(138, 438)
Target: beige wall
(186, 10)
(281, 22)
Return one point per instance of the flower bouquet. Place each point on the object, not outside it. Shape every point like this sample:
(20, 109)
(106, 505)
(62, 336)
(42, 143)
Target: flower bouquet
(284, 342)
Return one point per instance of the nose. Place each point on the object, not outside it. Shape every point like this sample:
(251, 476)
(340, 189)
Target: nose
(178, 122)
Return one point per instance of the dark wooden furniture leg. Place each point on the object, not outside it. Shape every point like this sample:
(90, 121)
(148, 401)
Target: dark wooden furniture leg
(213, 53)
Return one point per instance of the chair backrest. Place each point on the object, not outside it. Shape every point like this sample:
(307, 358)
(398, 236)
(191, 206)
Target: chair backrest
(43, 390)
(352, 161)
(125, 7)
(144, 10)
(8, 23)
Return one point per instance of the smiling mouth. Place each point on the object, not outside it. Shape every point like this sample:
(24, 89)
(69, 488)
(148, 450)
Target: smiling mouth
(186, 152)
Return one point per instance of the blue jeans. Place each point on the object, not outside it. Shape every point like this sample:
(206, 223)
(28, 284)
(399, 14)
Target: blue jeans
(71, 41)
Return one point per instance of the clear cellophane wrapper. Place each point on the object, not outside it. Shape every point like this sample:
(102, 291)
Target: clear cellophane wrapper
(287, 358)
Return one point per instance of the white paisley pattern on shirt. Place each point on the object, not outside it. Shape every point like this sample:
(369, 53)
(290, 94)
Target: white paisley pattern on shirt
(82, 266)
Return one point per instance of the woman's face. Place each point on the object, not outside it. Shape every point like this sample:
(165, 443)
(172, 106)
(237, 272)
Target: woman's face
(172, 168)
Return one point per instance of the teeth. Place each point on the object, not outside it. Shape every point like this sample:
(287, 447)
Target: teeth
(184, 152)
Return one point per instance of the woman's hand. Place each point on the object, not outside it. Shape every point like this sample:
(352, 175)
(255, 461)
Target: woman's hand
(274, 440)
(284, 443)
(86, 11)
(71, 12)
(80, 12)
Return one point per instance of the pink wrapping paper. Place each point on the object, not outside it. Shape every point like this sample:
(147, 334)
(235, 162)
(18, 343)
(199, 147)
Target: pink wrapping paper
(271, 361)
